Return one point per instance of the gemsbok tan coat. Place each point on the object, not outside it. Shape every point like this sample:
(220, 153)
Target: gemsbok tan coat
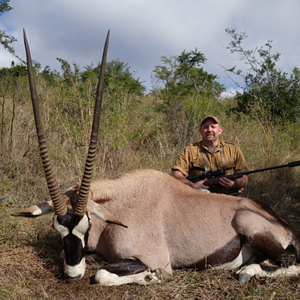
(154, 223)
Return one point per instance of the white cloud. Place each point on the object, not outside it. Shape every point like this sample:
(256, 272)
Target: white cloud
(144, 30)
(231, 92)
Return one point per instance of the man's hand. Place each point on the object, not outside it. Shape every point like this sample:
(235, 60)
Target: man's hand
(227, 183)
(197, 185)
(236, 184)
(200, 185)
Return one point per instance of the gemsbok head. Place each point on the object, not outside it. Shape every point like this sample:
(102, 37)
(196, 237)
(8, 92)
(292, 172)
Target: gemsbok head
(73, 222)
(154, 223)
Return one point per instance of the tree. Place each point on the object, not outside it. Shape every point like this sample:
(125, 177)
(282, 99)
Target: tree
(4, 6)
(119, 82)
(266, 88)
(13, 71)
(5, 39)
(79, 87)
(184, 74)
(184, 87)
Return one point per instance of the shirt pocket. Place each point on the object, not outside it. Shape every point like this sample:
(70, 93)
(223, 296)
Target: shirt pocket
(197, 167)
(230, 167)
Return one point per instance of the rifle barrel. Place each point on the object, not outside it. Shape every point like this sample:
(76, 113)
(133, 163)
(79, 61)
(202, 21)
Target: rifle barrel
(291, 164)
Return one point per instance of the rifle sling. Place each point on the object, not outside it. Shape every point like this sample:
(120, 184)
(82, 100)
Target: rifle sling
(205, 161)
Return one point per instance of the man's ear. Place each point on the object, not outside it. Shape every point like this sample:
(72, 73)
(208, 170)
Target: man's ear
(220, 129)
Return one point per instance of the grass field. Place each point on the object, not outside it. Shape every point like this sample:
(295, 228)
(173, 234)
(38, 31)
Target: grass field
(134, 136)
(30, 269)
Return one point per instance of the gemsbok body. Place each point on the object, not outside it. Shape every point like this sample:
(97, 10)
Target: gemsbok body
(154, 223)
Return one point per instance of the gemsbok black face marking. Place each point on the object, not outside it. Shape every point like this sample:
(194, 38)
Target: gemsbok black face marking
(169, 224)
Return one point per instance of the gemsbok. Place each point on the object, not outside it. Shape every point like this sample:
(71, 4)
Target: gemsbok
(153, 222)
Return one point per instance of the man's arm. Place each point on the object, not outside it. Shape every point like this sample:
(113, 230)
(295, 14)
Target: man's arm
(197, 185)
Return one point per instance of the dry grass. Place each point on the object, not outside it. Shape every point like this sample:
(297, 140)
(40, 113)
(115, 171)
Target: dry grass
(133, 137)
(30, 269)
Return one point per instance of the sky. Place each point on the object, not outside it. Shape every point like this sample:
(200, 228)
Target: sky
(142, 31)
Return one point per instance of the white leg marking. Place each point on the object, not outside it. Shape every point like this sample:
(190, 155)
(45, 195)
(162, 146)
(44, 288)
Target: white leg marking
(106, 278)
(245, 254)
(255, 270)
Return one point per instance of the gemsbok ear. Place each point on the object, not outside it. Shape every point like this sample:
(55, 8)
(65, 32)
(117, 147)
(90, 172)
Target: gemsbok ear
(103, 214)
(35, 210)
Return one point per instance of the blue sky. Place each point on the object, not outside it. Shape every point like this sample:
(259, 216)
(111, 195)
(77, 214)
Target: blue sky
(144, 30)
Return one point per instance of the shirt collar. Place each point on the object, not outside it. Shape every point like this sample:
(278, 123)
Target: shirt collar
(206, 148)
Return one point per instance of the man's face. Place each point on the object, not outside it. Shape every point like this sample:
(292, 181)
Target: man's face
(210, 131)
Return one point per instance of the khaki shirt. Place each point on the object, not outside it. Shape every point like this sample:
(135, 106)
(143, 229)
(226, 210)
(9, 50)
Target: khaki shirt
(190, 161)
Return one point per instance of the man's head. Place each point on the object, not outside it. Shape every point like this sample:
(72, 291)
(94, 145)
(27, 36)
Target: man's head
(210, 130)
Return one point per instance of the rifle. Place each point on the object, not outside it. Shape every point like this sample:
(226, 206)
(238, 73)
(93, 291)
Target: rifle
(213, 177)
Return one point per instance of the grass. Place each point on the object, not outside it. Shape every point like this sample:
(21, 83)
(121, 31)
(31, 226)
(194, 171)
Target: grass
(134, 136)
(31, 270)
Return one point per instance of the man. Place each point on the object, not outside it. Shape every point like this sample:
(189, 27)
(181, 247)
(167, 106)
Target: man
(211, 154)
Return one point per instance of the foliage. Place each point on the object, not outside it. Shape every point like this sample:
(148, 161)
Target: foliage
(184, 74)
(5, 39)
(77, 91)
(185, 93)
(119, 81)
(13, 71)
(267, 89)
(52, 77)
(4, 6)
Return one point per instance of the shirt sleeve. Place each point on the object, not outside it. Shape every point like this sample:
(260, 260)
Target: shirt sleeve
(241, 165)
(183, 162)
